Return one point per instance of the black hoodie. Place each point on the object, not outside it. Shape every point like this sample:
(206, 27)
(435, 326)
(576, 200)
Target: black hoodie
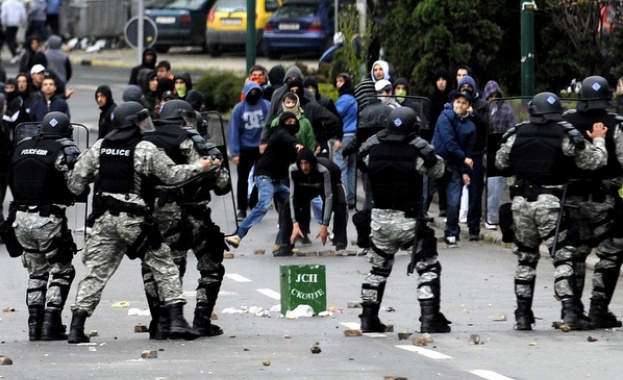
(105, 123)
(144, 65)
(280, 151)
(437, 99)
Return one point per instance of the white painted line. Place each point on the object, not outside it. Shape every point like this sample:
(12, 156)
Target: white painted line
(237, 277)
(270, 293)
(351, 325)
(423, 351)
(489, 375)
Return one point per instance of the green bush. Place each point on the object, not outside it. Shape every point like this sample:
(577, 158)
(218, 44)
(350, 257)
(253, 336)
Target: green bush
(221, 91)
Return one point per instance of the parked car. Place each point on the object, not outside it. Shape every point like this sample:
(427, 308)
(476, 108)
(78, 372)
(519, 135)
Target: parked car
(301, 26)
(227, 24)
(180, 23)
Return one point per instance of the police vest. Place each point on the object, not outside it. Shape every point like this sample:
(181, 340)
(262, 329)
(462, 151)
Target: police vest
(584, 122)
(35, 179)
(396, 184)
(116, 173)
(169, 138)
(536, 155)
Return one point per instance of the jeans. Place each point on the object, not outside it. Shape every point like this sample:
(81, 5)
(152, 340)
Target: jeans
(496, 187)
(476, 186)
(349, 170)
(248, 158)
(454, 188)
(267, 189)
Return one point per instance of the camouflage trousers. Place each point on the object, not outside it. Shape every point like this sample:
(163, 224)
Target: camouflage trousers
(105, 247)
(391, 231)
(534, 223)
(593, 222)
(36, 234)
(184, 231)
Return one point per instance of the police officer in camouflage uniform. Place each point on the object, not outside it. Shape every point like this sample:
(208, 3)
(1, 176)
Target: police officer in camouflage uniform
(40, 192)
(594, 195)
(540, 154)
(396, 161)
(122, 165)
(183, 216)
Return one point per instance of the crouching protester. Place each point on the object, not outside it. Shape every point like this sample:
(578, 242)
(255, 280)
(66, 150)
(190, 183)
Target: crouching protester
(121, 164)
(396, 160)
(37, 225)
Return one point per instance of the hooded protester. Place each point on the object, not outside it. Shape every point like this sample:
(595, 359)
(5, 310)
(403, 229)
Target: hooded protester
(58, 60)
(305, 135)
(32, 54)
(379, 71)
(195, 99)
(275, 79)
(311, 84)
(275, 102)
(148, 82)
(439, 97)
(149, 62)
(103, 97)
(347, 108)
(183, 83)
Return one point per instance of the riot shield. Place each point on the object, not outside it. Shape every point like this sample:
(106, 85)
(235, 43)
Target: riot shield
(223, 206)
(26, 130)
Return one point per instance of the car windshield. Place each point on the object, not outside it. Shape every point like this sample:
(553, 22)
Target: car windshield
(295, 10)
(231, 6)
(185, 4)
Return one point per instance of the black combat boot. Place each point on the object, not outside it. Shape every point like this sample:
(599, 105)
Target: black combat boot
(76, 329)
(53, 327)
(164, 325)
(35, 322)
(433, 321)
(203, 323)
(573, 317)
(523, 315)
(601, 317)
(180, 329)
(370, 321)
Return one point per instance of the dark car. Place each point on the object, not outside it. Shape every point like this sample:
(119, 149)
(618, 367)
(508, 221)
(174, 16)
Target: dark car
(301, 26)
(180, 23)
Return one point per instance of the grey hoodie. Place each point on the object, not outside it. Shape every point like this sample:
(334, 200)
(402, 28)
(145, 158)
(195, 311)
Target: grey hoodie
(58, 60)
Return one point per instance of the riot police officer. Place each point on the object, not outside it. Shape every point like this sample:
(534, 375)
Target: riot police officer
(539, 153)
(39, 166)
(396, 161)
(594, 195)
(183, 215)
(122, 164)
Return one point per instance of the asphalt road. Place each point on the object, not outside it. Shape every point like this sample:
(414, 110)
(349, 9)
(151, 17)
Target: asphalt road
(477, 295)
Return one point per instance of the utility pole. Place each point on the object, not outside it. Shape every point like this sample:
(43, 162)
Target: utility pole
(250, 34)
(527, 47)
(141, 31)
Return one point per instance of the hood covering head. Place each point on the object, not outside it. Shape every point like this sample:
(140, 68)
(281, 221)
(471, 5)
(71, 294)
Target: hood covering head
(294, 71)
(276, 75)
(250, 85)
(107, 92)
(347, 87)
(292, 129)
(195, 99)
(442, 73)
(164, 85)
(132, 93)
(55, 42)
(468, 80)
(492, 87)
(385, 67)
(296, 110)
(252, 92)
(312, 82)
(307, 155)
(469, 70)
(149, 64)
(402, 81)
(298, 83)
(143, 79)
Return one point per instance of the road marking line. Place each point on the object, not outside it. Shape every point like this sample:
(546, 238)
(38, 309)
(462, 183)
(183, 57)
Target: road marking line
(237, 277)
(489, 375)
(423, 351)
(270, 293)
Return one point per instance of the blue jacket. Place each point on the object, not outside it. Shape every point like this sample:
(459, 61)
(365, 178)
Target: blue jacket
(41, 107)
(346, 106)
(246, 122)
(454, 136)
(54, 6)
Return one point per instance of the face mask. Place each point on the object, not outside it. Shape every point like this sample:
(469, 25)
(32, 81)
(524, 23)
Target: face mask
(400, 95)
(181, 90)
(253, 97)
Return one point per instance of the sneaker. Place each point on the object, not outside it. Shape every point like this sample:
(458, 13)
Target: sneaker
(284, 250)
(233, 240)
(451, 242)
(363, 252)
(330, 234)
(474, 237)
(276, 247)
(491, 227)
(242, 214)
(340, 247)
(304, 240)
(463, 220)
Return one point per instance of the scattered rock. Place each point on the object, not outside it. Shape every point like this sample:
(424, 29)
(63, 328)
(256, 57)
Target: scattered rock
(315, 348)
(141, 328)
(228, 255)
(214, 317)
(259, 251)
(428, 337)
(266, 363)
(9, 310)
(351, 332)
(389, 328)
(354, 304)
(420, 342)
(499, 318)
(245, 349)
(5, 360)
(556, 324)
(92, 333)
(565, 327)
(532, 344)
(390, 309)
(591, 338)
(474, 339)
(149, 354)
(404, 335)
(394, 378)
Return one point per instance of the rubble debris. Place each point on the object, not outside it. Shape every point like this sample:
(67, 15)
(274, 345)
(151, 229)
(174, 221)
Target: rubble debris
(352, 332)
(266, 363)
(404, 335)
(420, 342)
(315, 348)
(557, 324)
(499, 318)
(5, 360)
(389, 328)
(149, 354)
(141, 328)
(228, 255)
(394, 378)
(259, 251)
(390, 309)
(92, 333)
(354, 304)
(474, 339)
(120, 304)
(592, 339)
(428, 337)
(532, 344)
(565, 327)
(9, 310)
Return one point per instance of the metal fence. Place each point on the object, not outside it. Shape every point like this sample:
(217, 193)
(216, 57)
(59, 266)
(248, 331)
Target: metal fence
(95, 18)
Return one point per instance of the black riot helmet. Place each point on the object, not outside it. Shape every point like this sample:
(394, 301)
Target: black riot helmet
(128, 114)
(595, 94)
(544, 107)
(178, 111)
(56, 124)
(402, 121)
